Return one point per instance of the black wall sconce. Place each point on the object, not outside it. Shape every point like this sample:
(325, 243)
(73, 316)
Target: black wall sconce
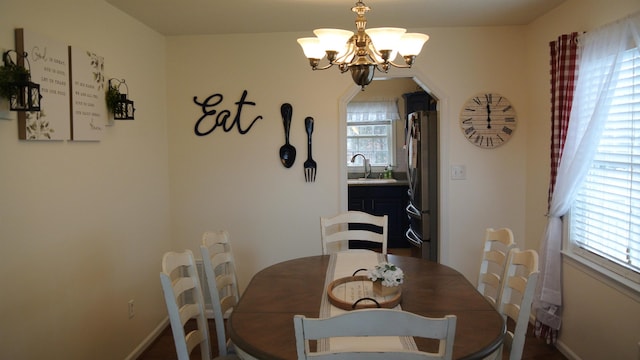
(117, 101)
(16, 84)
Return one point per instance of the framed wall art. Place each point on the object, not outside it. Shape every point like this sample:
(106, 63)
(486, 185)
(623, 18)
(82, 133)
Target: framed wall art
(48, 61)
(88, 88)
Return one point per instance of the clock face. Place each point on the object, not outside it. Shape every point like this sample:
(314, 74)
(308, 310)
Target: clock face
(488, 120)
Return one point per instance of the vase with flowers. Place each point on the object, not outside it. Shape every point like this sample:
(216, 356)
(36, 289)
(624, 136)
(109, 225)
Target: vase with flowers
(386, 278)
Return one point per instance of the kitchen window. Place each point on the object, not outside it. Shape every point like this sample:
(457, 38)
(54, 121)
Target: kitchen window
(370, 131)
(604, 223)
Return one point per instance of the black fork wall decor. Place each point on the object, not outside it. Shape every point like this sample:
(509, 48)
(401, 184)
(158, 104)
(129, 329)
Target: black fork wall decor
(310, 166)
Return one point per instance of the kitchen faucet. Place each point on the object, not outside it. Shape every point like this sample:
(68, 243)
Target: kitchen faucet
(366, 163)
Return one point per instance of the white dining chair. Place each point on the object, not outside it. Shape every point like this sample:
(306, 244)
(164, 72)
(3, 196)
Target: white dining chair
(497, 244)
(374, 322)
(220, 273)
(184, 300)
(335, 231)
(515, 300)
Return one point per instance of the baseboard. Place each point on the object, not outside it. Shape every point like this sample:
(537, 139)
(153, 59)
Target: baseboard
(148, 340)
(564, 349)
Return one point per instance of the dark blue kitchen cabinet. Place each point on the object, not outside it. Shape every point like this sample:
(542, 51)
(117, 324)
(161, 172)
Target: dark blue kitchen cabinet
(389, 200)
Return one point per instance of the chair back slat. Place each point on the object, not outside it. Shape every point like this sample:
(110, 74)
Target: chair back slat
(497, 244)
(183, 297)
(220, 272)
(375, 322)
(336, 231)
(521, 276)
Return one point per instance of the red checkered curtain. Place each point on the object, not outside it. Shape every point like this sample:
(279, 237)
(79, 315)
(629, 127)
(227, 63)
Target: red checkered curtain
(564, 54)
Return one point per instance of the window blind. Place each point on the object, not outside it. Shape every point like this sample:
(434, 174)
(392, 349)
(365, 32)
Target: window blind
(372, 112)
(370, 131)
(605, 218)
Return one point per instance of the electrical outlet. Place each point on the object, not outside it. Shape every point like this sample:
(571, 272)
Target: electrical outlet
(132, 311)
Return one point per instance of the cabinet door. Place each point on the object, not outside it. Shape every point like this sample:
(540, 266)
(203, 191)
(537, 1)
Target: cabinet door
(357, 204)
(418, 101)
(393, 207)
(384, 200)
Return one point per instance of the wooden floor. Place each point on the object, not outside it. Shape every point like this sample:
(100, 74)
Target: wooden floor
(164, 349)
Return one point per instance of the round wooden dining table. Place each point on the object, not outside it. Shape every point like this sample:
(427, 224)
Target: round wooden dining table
(261, 325)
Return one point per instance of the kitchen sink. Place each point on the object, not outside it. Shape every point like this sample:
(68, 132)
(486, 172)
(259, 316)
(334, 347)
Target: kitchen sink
(370, 181)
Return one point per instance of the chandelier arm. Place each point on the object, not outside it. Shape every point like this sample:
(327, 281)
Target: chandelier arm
(348, 56)
(382, 55)
(323, 67)
(382, 68)
(399, 66)
(373, 60)
(373, 49)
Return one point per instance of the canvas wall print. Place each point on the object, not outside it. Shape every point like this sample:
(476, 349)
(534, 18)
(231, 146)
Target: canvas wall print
(88, 86)
(48, 61)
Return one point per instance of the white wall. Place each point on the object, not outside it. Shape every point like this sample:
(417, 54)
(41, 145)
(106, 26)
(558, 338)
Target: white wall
(233, 181)
(83, 225)
(600, 320)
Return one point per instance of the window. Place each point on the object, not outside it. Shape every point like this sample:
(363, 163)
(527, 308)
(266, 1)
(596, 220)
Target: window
(604, 223)
(370, 132)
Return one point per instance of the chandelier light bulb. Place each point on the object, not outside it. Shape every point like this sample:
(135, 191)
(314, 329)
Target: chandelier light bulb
(411, 43)
(333, 39)
(385, 38)
(311, 47)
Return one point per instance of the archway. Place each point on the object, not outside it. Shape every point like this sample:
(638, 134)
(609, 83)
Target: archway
(421, 81)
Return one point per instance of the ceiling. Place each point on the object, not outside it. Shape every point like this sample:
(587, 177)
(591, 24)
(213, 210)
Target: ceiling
(198, 17)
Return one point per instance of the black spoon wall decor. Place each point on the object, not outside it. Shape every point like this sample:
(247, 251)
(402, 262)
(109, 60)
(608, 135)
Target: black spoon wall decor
(287, 151)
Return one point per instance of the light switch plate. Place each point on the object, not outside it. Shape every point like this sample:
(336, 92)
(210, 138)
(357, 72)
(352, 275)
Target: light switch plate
(458, 172)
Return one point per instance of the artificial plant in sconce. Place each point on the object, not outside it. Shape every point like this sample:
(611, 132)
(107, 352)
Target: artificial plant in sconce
(113, 97)
(16, 85)
(117, 102)
(10, 74)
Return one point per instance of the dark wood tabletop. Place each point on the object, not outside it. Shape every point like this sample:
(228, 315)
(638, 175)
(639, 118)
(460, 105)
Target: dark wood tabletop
(262, 323)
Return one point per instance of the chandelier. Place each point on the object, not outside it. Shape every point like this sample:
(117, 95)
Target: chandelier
(364, 52)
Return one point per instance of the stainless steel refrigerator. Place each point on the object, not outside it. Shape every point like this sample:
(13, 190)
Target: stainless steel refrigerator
(422, 168)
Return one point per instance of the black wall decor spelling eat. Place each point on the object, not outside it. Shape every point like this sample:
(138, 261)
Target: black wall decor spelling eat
(221, 119)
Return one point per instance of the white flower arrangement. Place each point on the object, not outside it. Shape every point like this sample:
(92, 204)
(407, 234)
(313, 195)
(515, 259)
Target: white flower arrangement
(390, 274)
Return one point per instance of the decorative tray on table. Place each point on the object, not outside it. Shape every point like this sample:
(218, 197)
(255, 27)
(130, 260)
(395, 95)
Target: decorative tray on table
(356, 292)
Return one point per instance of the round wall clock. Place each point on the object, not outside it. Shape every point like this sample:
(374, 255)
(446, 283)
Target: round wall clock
(488, 120)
